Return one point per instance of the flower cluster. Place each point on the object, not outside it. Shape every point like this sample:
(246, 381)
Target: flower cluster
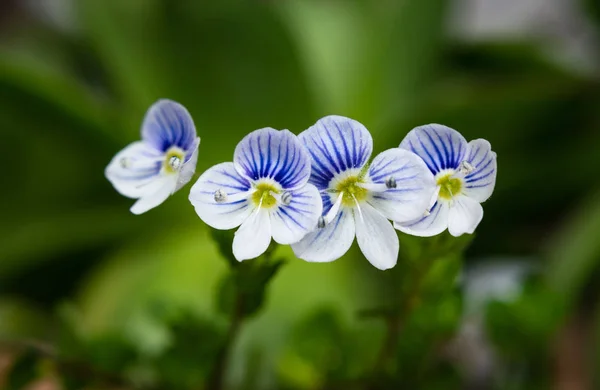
(316, 191)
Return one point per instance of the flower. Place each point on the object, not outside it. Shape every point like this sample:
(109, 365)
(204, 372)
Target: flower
(465, 174)
(164, 161)
(265, 191)
(358, 198)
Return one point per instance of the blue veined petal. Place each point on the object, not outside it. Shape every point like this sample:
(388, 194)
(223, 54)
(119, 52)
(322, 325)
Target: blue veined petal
(189, 168)
(480, 183)
(415, 185)
(133, 170)
(235, 206)
(427, 226)
(167, 124)
(439, 146)
(290, 223)
(329, 243)
(270, 153)
(336, 144)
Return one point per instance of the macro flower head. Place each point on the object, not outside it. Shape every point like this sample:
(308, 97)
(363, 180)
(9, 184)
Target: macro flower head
(162, 162)
(359, 198)
(265, 191)
(465, 175)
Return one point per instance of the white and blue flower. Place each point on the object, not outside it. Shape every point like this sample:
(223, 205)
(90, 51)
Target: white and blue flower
(162, 162)
(359, 198)
(265, 191)
(465, 174)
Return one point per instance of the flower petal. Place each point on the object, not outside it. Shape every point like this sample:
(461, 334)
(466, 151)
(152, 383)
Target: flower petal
(427, 226)
(479, 184)
(376, 238)
(254, 236)
(168, 123)
(415, 185)
(464, 215)
(229, 213)
(133, 169)
(329, 243)
(292, 222)
(269, 153)
(189, 167)
(336, 144)
(439, 146)
(164, 185)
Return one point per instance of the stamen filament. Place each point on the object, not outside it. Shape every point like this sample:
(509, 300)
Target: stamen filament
(334, 209)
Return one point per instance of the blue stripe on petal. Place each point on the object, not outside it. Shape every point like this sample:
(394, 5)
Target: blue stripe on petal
(293, 221)
(274, 154)
(336, 144)
(480, 183)
(167, 124)
(415, 184)
(439, 146)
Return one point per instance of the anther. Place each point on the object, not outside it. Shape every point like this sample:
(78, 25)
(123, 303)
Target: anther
(175, 162)
(286, 198)
(321, 223)
(465, 168)
(390, 182)
(220, 196)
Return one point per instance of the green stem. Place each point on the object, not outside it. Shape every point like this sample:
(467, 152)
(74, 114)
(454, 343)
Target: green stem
(396, 321)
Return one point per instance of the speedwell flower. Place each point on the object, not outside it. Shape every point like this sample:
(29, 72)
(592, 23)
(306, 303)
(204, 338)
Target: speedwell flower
(265, 190)
(465, 174)
(358, 198)
(164, 161)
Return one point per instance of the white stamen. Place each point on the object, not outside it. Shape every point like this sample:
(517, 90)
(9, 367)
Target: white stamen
(432, 201)
(358, 208)
(332, 211)
(465, 168)
(390, 182)
(220, 196)
(286, 198)
(175, 162)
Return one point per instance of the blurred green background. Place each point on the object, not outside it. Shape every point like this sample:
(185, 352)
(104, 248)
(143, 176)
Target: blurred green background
(140, 297)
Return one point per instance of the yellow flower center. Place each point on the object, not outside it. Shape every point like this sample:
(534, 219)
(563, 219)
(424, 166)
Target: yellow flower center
(263, 195)
(351, 189)
(449, 186)
(174, 160)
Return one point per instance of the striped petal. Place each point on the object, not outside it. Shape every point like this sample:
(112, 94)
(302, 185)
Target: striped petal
(376, 238)
(427, 226)
(414, 185)
(234, 208)
(189, 167)
(133, 170)
(336, 144)
(479, 184)
(292, 222)
(330, 243)
(439, 146)
(167, 124)
(269, 153)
